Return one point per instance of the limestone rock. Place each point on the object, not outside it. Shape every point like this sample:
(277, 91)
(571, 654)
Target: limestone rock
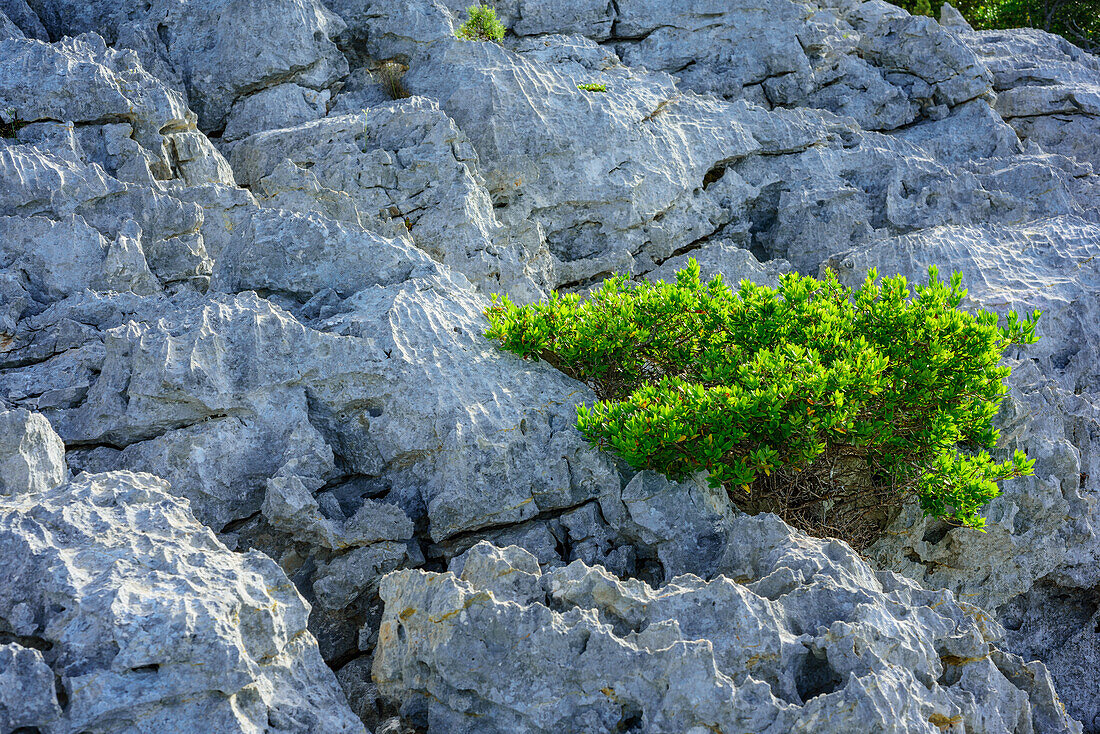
(401, 169)
(20, 14)
(32, 457)
(1042, 532)
(302, 364)
(733, 260)
(625, 179)
(362, 693)
(27, 695)
(715, 48)
(285, 105)
(8, 29)
(103, 168)
(140, 131)
(299, 256)
(612, 178)
(218, 52)
(1047, 88)
(684, 525)
(923, 59)
(784, 652)
(364, 378)
(145, 617)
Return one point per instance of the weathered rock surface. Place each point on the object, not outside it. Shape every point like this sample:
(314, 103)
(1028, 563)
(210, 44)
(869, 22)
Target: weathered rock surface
(1047, 88)
(144, 618)
(27, 694)
(293, 345)
(218, 53)
(32, 457)
(404, 169)
(1045, 527)
(625, 179)
(807, 638)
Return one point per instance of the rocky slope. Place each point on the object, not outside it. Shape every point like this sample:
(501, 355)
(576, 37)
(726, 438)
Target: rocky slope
(251, 425)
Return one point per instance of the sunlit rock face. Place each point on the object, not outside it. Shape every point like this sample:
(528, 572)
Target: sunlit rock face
(247, 400)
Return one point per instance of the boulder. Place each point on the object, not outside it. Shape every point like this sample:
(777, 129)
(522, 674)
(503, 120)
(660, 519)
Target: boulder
(217, 53)
(32, 457)
(1047, 89)
(145, 619)
(830, 647)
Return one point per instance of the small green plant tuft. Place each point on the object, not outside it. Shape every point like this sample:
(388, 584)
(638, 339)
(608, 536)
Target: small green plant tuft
(389, 75)
(825, 405)
(10, 124)
(592, 87)
(481, 25)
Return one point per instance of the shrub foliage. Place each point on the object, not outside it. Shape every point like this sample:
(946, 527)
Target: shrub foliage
(481, 25)
(592, 87)
(826, 405)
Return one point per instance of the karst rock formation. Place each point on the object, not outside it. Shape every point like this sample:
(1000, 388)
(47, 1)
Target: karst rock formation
(260, 470)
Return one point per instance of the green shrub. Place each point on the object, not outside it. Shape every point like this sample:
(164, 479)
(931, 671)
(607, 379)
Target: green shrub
(826, 405)
(592, 87)
(481, 25)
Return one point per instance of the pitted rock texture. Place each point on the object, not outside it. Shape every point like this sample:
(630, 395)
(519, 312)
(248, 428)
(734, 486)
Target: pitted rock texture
(818, 644)
(1044, 527)
(1047, 88)
(218, 53)
(404, 169)
(228, 259)
(146, 621)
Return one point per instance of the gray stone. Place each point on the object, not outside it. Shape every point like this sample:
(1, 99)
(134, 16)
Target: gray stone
(126, 576)
(973, 131)
(218, 52)
(1044, 527)
(285, 105)
(684, 524)
(625, 179)
(141, 129)
(787, 652)
(512, 573)
(365, 377)
(303, 362)
(920, 55)
(1052, 623)
(8, 29)
(27, 695)
(61, 258)
(716, 47)
(1047, 88)
(289, 506)
(952, 18)
(19, 13)
(337, 583)
(733, 261)
(361, 692)
(617, 180)
(400, 169)
(32, 457)
(298, 256)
